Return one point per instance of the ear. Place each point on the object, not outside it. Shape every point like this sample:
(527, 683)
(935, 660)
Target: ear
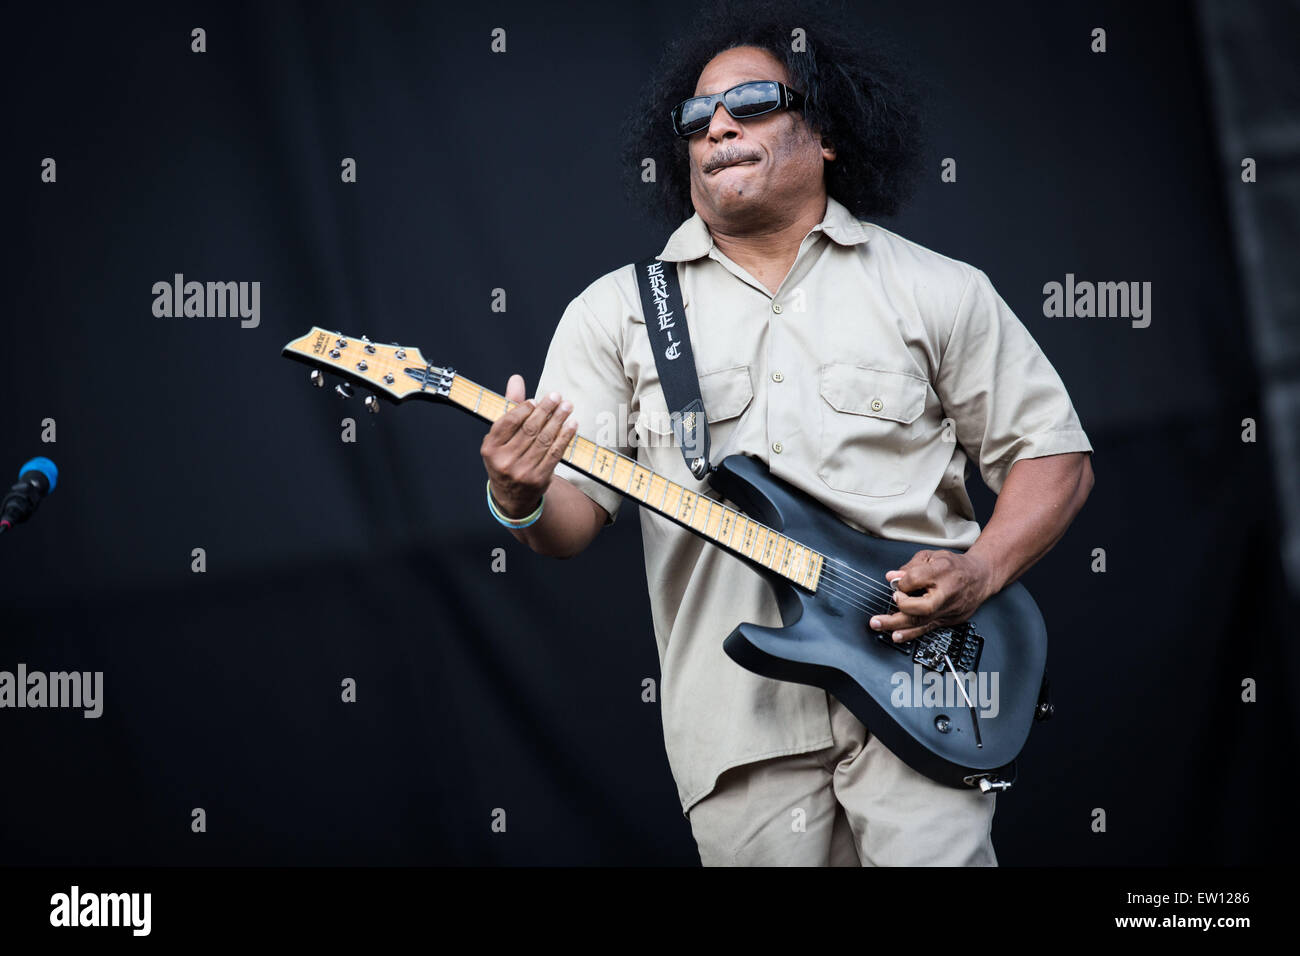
(828, 151)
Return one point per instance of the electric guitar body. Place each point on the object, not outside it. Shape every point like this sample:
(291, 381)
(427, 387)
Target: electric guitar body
(826, 641)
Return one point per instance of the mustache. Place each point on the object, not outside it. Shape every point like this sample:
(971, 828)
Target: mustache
(727, 156)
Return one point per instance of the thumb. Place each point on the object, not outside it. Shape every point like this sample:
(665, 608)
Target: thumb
(515, 389)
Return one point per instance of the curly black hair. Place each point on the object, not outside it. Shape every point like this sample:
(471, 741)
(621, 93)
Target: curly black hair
(855, 97)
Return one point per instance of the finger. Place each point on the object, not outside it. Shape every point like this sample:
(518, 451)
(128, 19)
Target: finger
(530, 413)
(528, 445)
(918, 574)
(911, 633)
(507, 425)
(550, 441)
(882, 623)
(901, 573)
(559, 446)
(922, 605)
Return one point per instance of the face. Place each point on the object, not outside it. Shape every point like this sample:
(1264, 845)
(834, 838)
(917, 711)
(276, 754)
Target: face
(745, 173)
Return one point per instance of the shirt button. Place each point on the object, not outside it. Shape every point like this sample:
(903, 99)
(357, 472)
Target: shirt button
(776, 307)
(877, 404)
(777, 447)
(778, 377)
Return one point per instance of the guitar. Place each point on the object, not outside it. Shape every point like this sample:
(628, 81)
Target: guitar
(955, 704)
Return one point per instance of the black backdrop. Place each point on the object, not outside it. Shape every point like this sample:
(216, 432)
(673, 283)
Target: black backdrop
(372, 560)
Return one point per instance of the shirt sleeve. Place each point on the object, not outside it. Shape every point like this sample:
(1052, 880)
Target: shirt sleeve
(1006, 400)
(584, 365)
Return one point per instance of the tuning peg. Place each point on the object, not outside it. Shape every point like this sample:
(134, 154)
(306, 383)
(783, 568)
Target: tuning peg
(372, 404)
(317, 378)
(344, 390)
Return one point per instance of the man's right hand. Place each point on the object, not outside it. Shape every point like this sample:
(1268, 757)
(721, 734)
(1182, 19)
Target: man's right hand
(523, 446)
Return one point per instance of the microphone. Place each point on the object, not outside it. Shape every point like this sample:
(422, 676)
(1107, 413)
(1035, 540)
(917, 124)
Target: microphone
(36, 479)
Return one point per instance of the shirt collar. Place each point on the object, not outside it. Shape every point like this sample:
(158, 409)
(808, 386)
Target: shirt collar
(692, 239)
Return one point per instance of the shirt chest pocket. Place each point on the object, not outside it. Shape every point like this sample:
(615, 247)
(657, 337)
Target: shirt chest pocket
(866, 419)
(726, 394)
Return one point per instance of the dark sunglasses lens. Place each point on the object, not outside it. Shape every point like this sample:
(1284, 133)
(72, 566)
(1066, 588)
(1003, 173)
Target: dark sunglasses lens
(750, 99)
(693, 115)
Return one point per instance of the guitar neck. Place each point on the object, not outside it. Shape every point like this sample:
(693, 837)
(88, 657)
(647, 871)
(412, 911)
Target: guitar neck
(710, 519)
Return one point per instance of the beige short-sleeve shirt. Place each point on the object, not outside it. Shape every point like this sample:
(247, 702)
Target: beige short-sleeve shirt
(876, 372)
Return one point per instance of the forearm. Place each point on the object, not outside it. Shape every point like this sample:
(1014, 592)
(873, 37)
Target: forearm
(1039, 499)
(567, 525)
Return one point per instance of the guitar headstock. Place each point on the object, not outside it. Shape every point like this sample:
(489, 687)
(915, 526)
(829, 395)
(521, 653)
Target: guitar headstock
(392, 371)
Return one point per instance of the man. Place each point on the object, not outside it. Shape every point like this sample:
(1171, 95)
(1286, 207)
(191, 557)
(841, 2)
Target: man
(860, 367)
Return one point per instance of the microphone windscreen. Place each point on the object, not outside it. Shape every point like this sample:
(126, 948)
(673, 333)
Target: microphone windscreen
(45, 467)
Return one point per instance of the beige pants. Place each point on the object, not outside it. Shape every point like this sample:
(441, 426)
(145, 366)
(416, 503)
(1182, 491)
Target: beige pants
(851, 804)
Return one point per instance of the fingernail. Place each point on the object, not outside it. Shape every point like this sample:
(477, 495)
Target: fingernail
(566, 406)
(875, 623)
(554, 396)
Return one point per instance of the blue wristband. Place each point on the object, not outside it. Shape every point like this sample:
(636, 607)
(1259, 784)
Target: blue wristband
(513, 523)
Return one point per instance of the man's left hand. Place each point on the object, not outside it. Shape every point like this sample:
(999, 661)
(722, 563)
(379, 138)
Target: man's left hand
(935, 588)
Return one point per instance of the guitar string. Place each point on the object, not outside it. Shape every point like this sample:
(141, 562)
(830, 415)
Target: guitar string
(831, 572)
(836, 593)
(877, 587)
(837, 588)
(835, 575)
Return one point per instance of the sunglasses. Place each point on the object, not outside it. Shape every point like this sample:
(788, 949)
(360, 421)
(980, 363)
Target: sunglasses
(742, 102)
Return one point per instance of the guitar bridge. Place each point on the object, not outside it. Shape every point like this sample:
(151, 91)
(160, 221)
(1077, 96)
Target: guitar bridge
(961, 643)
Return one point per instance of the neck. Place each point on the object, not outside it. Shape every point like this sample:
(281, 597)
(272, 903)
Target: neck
(767, 250)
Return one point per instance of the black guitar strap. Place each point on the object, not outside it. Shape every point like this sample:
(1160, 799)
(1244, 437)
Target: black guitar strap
(670, 340)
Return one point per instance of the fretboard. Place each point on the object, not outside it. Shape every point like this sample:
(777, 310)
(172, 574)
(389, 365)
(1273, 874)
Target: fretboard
(705, 516)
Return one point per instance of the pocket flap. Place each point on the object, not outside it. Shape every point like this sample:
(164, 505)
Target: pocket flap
(726, 393)
(877, 393)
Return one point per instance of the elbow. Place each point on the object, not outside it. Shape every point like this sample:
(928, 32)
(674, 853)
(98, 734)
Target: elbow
(559, 551)
(570, 551)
